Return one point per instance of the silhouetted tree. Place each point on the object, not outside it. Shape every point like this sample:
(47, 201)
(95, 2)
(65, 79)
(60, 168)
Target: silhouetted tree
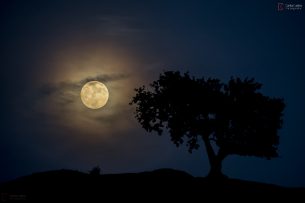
(235, 116)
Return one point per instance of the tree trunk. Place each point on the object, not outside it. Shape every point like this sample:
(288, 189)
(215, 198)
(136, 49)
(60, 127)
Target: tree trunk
(214, 160)
(215, 170)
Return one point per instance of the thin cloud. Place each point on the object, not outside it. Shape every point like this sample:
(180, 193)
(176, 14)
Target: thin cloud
(105, 78)
(120, 25)
(69, 88)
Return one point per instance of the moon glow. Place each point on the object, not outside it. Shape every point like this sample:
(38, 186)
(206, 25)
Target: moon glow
(94, 94)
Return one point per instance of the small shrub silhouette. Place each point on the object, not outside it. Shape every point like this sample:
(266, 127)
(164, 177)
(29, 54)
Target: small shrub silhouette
(96, 171)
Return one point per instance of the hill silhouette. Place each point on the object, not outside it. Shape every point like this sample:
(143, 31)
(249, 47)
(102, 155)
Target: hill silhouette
(69, 185)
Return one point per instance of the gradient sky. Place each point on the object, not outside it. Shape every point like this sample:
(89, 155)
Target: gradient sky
(49, 49)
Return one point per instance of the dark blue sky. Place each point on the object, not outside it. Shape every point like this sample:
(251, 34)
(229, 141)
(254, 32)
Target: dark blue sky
(49, 48)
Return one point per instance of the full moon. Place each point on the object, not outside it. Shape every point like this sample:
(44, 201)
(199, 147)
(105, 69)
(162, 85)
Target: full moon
(94, 95)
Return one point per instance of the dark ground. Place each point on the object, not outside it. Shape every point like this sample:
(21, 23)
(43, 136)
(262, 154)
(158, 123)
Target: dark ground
(68, 185)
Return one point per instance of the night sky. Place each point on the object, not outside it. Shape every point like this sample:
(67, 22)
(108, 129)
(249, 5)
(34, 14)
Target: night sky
(50, 49)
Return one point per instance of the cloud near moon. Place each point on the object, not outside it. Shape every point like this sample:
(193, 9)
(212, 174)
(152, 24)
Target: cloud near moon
(59, 105)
